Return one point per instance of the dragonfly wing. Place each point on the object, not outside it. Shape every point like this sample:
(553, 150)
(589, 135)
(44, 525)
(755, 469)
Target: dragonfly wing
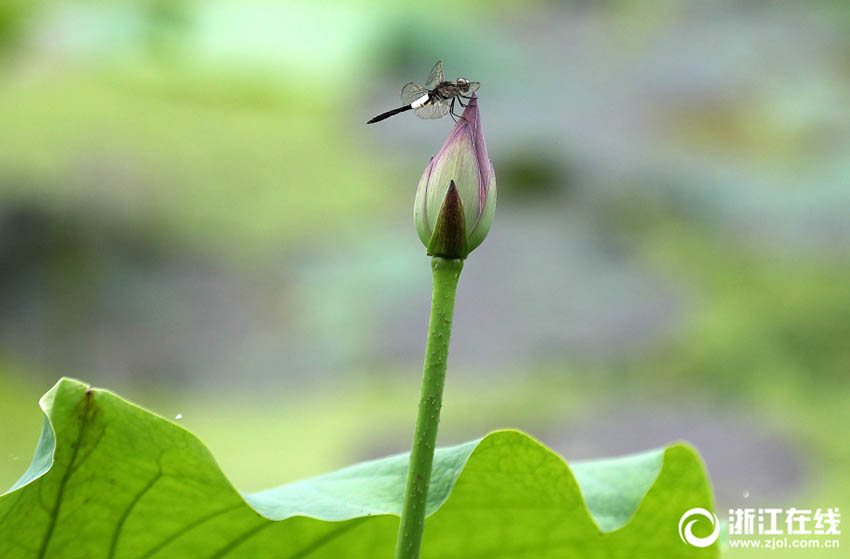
(437, 109)
(436, 75)
(411, 92)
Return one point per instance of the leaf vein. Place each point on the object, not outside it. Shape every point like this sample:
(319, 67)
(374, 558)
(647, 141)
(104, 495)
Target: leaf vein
(60, 493)
(126, 514)
(90, 451)
(327, 538)
(186, 529)
(242, 539)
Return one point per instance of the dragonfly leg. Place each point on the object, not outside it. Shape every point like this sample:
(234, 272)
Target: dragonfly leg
(462, 104)
(452, 110)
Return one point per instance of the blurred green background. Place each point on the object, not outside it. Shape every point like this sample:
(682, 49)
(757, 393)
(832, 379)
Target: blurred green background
(194, 214)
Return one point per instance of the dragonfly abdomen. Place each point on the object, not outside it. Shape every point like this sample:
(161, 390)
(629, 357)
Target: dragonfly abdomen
(421, 101)
(388, 114)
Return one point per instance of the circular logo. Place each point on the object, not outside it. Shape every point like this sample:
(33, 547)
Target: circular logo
(687, 534)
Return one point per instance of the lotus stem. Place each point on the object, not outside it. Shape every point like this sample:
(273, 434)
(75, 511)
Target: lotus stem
(446, 274)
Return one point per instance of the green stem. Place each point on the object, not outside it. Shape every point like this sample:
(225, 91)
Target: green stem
(446, 273)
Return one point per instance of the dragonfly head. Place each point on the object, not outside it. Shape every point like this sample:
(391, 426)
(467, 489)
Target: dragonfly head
(466, 87)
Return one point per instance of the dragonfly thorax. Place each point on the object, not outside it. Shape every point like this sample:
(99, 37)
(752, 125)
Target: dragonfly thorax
(449, 90)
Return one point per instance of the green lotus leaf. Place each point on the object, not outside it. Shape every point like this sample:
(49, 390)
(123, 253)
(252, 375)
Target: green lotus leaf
(111, 480)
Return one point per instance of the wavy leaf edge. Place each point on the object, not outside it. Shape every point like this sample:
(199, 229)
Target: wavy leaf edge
(38, 469)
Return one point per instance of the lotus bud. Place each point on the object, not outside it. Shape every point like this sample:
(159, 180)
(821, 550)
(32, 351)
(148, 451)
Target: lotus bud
(456, 197)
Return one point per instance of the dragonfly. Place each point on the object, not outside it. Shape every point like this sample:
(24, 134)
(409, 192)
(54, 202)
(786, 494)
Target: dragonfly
(435, 99)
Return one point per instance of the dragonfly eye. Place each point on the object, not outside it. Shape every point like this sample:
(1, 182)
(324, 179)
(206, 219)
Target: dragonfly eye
(462, 81)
